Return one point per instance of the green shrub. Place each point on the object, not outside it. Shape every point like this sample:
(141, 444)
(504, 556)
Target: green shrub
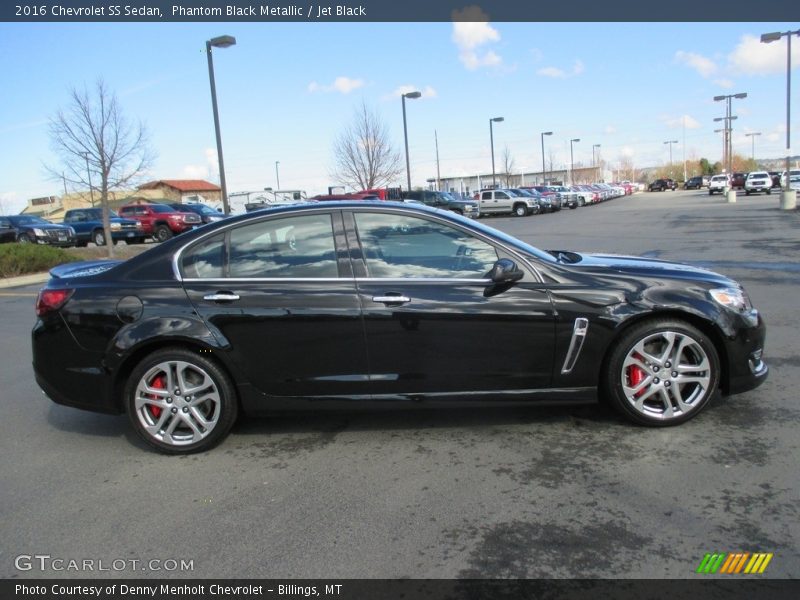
(20, 259)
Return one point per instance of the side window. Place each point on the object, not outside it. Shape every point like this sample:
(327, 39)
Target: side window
(290, 247)
(486, 196)
(501, 196)
(206, 260)
(125, 211)
(5, 223)
(406, 246)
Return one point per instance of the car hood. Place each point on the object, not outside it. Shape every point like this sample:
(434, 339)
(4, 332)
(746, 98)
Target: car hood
(43, 226)
(639, 266)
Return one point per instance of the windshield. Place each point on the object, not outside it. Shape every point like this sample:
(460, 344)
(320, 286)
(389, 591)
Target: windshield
(162, 208)
(202, 209)
(97, 214)
(448, 197)
(27, 220)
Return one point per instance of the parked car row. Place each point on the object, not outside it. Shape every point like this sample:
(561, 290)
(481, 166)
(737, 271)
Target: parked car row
(134, 224)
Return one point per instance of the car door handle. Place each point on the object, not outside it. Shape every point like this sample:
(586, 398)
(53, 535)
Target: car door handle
(221, 297)
(391, 299)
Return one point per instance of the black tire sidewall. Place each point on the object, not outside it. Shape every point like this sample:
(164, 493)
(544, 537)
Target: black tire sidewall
(611, 384)
(227, 392)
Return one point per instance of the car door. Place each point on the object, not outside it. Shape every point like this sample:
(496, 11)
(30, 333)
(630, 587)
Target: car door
(278, 291)
(7, 232)
(503, 202)
(488, 203)
(435, 325)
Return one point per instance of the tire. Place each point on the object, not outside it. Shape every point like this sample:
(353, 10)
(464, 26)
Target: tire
(26, 238)
(769, 192)
(99, 237)
(581, 202)
(710, 192)
(520, 210)
(168, 421)
(639, 384)
(162, 233)
(747, 192)
(139, 240)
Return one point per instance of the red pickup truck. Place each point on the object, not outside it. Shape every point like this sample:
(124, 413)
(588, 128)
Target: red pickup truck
(159, 220)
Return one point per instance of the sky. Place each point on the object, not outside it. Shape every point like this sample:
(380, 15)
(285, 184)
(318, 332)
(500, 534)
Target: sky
(286, 90)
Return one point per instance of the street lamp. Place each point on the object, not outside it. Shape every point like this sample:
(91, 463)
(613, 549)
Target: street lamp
(789, 200)
(728, 127)
(752, 137)
(572, 161)
(491, 142)
(411, 96)
(544, 133)
(223, 41)
(594, 160)
(670, 142)
(277, 175)
(725, 139)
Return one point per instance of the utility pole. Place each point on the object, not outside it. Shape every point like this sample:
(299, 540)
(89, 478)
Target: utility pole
(438, 174)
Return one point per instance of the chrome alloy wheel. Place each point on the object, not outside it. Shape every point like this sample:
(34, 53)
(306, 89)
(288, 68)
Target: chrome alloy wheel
(666, 375)
(177, 403)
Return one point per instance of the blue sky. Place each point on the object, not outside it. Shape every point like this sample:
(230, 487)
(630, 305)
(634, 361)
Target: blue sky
(286, 90)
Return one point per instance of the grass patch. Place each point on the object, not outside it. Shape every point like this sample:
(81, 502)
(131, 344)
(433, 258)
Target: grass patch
(21, 259)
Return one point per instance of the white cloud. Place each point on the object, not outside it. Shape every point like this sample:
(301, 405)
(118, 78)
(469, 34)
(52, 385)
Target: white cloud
(428, 92)
(724, 83)
(610, 129)
(704, 66)
(343, 85)
(679, 122)
(203, 171)
(556, 73)
(751, 57)
(471, 30)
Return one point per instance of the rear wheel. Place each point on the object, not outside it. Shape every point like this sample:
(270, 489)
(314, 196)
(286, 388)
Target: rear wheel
(180, 402)
(661, 373)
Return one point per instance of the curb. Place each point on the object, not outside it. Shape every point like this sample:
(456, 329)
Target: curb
(23, 280)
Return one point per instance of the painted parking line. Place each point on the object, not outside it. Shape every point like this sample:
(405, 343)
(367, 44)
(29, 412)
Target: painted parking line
(18, 294)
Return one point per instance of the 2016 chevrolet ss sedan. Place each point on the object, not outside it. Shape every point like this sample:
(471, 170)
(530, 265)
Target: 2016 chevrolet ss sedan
(360, 303)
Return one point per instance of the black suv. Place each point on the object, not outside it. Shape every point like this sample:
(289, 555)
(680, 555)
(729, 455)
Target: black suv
(35, 230)
(659, 185)
(693, 183)
(468, 208)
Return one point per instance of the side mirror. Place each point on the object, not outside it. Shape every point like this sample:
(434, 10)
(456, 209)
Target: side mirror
(505, 271)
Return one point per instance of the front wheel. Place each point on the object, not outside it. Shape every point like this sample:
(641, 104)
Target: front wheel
(180, 402)
(99, 237)
(162, 233)
(661, 373)
(520, 210)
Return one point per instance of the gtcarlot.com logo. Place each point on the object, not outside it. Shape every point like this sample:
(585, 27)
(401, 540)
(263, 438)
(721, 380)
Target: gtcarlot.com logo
(735, 563)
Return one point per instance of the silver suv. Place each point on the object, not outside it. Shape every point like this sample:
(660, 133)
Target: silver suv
(718, 184)
(758, 181)
(494, 202)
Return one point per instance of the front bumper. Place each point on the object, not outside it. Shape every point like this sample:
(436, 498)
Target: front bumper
(746, 369)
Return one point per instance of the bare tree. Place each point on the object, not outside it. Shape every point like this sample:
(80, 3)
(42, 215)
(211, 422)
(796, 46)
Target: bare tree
(507, 164)
(363, 154)
(98, 147)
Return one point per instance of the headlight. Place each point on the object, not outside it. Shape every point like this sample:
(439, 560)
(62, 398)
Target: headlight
(732, 298)
(39, 232)
(115, 226)
(139, 225)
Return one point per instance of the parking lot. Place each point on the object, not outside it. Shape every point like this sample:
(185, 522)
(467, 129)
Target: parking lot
(524, 492)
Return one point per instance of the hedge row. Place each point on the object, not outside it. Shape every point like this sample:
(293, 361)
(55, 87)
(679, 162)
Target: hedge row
(21, 259)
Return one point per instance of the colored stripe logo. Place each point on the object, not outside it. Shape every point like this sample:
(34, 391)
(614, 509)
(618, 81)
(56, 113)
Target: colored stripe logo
(735, 563)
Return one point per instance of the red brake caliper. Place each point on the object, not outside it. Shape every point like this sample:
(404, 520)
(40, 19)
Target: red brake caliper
(160, 383)
(636, 375)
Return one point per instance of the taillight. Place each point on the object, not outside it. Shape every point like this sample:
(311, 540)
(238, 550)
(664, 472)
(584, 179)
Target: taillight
(49, 300)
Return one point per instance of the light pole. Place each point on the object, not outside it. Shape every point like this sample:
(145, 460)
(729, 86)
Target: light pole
(544, 133)
(411, 96)
(594, 160)
(223, 41)
(726, 131)
(491, 142)
(670, 142)
(277, 175)
(789, 199)
(752, 137)
(88, 175)
(728, 126)
(572, 161)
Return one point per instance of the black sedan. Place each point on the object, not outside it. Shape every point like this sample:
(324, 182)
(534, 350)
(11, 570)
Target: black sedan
(362, 303)
(35, 230)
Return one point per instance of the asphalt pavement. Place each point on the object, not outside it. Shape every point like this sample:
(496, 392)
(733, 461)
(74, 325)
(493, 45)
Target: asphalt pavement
(525, 492)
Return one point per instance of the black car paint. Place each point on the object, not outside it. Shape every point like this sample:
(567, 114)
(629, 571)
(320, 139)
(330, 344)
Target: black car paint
(289, 345)
(56, 235)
